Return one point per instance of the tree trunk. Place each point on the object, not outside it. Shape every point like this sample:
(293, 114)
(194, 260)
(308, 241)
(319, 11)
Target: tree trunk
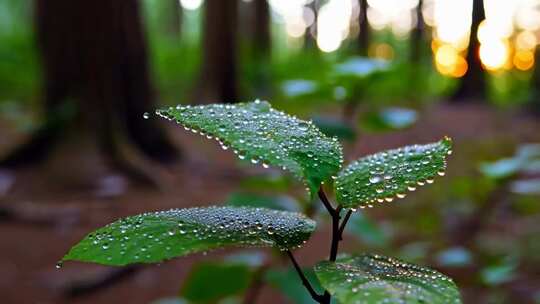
(535, 94)
(417, 39)
(172, 10)
(259, 26)
(310, 37)
(94, 61)
(261, 29)
(473, 84)
(363, 35)
(218, 80)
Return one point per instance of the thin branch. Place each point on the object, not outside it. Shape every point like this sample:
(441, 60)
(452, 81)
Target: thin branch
(337, 231)
(326, 202)
(344, 223)
(335, 235)
(317, 297)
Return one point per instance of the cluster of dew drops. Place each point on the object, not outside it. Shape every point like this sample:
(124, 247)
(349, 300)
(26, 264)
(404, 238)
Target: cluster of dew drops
(240, 226)
(386, 171)
(380, 271)
(295, 134)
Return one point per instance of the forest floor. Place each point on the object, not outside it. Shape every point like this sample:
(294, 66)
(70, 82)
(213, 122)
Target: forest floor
(52, 206)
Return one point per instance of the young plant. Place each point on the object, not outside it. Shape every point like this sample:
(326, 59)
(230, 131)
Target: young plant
(261, 134)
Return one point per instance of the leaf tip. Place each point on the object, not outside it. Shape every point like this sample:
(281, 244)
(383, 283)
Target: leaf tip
(447, 142)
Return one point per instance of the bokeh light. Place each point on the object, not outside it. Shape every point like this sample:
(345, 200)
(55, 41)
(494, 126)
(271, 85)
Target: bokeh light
(397, 15)
(333, 24)
(508, 35)
(191, 4)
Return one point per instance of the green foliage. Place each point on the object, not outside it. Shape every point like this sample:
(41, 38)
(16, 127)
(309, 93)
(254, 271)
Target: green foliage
(499, 273)
(335, 127)
(386, 175)
(526, 186)
(154, 237)
(367, 231)
(19, 63)
(261, 134)
(272, 181)
(257, 132)
(277, 202)
(454, 257)
(287, 282)
(299, 88)
(208, 282)
(377, 279)
(360, 67)
(392, 118)
(526, 160)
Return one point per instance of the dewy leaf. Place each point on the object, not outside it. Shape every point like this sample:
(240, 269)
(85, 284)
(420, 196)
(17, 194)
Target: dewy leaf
(257, 132)
(157, 236)
(378, 279)
(386, 175)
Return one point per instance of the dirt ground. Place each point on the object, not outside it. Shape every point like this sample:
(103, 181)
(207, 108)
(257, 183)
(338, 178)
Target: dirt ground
(54, 207)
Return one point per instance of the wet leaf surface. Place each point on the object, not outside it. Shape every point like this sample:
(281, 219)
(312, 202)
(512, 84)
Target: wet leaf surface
(390, 174)
(371, 279)
(158, 236)
(258, 133)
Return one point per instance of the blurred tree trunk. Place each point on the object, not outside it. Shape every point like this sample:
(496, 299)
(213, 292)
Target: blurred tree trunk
(96, 79)
(219, 80)
(173, 14)
(261, 44)
(363, 35)
(310, 37)
(418, 48)
(261, 29)
(473, 84)
(417, 39)
(535, 94)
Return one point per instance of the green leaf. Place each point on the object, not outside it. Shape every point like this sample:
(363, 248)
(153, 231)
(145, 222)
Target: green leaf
(526, 186)
(501, 272)
(361, 67)
(299, 87)
(208, 282)
(372, 278)
(290, 285)
(454, 257)
(257, 132)
(386, 175)
(157, 236)
(502, 168)
(392, 118)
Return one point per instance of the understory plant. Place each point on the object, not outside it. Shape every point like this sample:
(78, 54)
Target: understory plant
(256, 132)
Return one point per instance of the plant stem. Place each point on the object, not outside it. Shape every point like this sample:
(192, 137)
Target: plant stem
(336, 237)
(317, 297)
(337, 231)
(344, 223)
(326, 202)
